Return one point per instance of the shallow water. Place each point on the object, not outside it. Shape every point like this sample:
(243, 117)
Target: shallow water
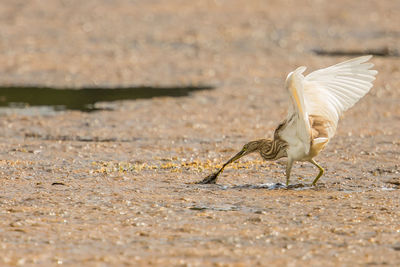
(84, 99)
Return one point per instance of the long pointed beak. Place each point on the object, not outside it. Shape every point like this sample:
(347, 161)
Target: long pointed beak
(236, 157)
(212, 178)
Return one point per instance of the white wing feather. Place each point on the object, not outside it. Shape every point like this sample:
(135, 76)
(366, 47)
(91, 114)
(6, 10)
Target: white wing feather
(298, 111)
(331, 91)
(328, 93)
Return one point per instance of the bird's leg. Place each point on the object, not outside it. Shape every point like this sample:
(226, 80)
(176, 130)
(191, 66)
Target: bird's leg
(321, 171)
(212, 178)
(288, 169)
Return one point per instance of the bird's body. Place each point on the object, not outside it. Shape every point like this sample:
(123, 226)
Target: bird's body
(317, 101)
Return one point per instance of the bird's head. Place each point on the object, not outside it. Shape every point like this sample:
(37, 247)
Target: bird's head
(294, 77)
(254, 146)
(251, 147)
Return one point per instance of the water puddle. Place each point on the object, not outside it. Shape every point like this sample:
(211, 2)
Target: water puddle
(273, 186)
(84, 99)
(215, 208)
(267, 186)
(298, 187)
(380, 52)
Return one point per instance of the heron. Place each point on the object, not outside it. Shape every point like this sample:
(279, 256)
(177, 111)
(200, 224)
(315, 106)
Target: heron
(317, 101)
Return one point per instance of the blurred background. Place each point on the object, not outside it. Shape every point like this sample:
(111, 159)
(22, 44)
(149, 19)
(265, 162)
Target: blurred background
(72, 43)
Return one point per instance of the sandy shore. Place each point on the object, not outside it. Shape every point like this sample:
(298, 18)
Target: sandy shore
(116, 187)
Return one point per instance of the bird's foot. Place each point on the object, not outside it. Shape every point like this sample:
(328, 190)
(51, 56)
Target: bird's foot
(317, 186)
(295, 186)
(211, 179)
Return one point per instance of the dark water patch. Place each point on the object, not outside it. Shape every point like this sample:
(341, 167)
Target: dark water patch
(76, 138)
(275, 186)
(394, 182)
(380, 52)
(217, 208)
(84, 99)
(268, 186)
(228, 208)
(143, 139)
(58, 183)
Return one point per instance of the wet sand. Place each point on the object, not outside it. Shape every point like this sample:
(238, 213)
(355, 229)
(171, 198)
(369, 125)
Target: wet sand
(116, 187)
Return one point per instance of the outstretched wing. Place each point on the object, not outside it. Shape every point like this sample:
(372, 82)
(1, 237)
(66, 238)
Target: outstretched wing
(325, 94)
(331, 91)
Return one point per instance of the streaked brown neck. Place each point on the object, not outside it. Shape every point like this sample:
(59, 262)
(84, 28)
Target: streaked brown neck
(269, 149)
(273, 149)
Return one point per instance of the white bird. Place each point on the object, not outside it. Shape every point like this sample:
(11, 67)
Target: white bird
(317, 102)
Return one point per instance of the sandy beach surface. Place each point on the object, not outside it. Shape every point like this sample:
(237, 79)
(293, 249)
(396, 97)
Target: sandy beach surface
(116, 186)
